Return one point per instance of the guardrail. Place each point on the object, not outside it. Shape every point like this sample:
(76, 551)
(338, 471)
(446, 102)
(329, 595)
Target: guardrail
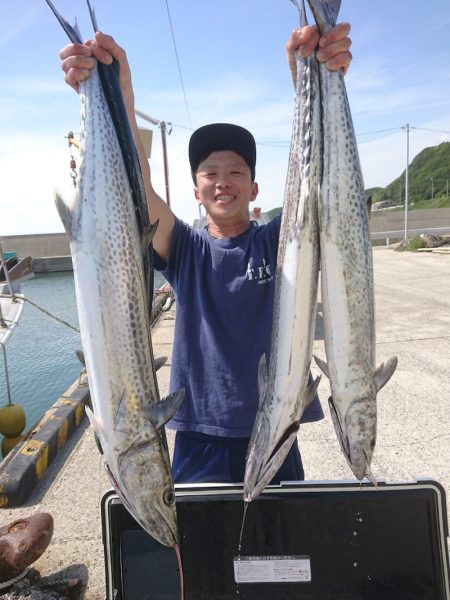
(399, 234)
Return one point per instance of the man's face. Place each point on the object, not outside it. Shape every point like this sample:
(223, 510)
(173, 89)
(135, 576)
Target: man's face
(224, 186)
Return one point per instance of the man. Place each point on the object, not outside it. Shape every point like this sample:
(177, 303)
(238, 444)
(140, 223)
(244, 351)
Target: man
(223, 277)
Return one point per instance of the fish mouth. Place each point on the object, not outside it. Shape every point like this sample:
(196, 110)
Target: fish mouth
(173, 533)
(358, 451)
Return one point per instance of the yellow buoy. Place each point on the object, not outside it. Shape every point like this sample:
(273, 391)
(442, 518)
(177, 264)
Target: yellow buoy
(12, 420)
(8, 443)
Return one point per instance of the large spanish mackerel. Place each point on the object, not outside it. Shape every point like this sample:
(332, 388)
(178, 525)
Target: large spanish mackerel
(346, 272)
(283, 387)
(108, 239)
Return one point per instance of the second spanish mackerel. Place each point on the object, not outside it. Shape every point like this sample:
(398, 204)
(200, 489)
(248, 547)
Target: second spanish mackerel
(107, 243)
(346, 272)
(283, 387)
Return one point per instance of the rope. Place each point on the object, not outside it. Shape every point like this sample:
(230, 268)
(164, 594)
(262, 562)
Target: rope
(10, 582)
(8, 387)
(45, 311)
(178, 63)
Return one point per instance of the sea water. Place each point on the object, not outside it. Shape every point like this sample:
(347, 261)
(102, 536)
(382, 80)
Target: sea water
(41, 352)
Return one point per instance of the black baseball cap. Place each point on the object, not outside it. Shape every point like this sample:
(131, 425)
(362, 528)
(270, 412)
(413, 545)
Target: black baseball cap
(221, 136)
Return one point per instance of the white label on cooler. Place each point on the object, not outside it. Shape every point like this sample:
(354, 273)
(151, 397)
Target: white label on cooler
(271, 569)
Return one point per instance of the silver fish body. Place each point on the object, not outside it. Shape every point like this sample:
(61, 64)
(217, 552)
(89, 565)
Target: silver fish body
(346, 272)
(128, 415)
(283, 387)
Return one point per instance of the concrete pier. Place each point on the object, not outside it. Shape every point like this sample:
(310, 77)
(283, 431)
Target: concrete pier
(413, 322)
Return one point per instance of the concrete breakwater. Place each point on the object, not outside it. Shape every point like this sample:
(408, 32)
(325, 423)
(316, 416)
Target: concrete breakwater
(51, 250)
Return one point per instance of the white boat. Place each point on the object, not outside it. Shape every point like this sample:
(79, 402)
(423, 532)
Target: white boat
(11, 304)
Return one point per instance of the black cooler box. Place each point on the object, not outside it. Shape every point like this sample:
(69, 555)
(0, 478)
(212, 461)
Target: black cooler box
(306, 541)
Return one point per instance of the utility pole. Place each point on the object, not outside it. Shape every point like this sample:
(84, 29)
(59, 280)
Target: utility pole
(432, 188)
(163, 127)
(406, 180)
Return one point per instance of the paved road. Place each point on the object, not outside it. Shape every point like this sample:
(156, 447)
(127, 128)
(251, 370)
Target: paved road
(413, 322)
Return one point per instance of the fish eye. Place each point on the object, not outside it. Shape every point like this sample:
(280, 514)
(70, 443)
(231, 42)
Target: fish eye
(169, 497)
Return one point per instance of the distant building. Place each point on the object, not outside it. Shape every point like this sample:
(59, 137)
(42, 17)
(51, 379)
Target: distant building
(382, 204)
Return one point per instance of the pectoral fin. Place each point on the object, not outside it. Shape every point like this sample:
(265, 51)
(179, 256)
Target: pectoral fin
(343, 440)
(159, 362)
(311, 390)
(262, 377)
(98, 429)
(384, 372)
(66, 216)
(322, 366)
(164, 410)
(277, 458)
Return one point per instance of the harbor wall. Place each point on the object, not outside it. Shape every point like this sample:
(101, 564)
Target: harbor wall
(37, 245)
(46, 246)
(389, 220)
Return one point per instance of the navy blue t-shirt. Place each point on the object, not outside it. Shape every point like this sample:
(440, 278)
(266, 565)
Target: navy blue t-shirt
(224, 290)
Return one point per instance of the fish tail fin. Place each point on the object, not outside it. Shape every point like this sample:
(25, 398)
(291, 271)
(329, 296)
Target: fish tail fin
(72, 30)
(384, 372)
(93, 17)
(325, 13)
(300, 4)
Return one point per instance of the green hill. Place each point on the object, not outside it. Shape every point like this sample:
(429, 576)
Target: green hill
(433, 163)
(427, 177)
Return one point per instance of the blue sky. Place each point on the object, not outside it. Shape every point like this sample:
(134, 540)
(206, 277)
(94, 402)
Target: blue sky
(234, 69)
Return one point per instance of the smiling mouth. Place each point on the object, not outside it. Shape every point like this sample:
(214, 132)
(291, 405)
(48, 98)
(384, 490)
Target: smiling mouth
(224, 199)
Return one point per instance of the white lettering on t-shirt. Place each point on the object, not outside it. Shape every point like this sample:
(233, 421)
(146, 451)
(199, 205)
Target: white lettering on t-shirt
(261, 273)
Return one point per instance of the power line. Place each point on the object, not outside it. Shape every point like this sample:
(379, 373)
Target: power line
(379, 131)
(433, 130)
(178, 64)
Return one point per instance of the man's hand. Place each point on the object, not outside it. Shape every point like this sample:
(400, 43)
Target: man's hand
(333, 47)
(77, 60)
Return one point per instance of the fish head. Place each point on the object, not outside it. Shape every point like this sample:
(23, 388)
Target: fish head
(356, 431)
(145, 484)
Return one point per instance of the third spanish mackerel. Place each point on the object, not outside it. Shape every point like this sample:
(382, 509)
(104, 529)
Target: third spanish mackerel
(346, 272)
(283, 388)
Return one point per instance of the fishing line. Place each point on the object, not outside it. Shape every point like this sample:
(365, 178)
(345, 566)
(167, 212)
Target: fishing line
(178, 63)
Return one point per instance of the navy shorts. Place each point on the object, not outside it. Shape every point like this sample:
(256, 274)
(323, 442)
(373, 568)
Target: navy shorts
(201, 458)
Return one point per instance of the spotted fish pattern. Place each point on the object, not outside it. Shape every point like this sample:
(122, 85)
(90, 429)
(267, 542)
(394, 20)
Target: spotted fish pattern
(346, 272)
(106, 244)
(283, 384)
